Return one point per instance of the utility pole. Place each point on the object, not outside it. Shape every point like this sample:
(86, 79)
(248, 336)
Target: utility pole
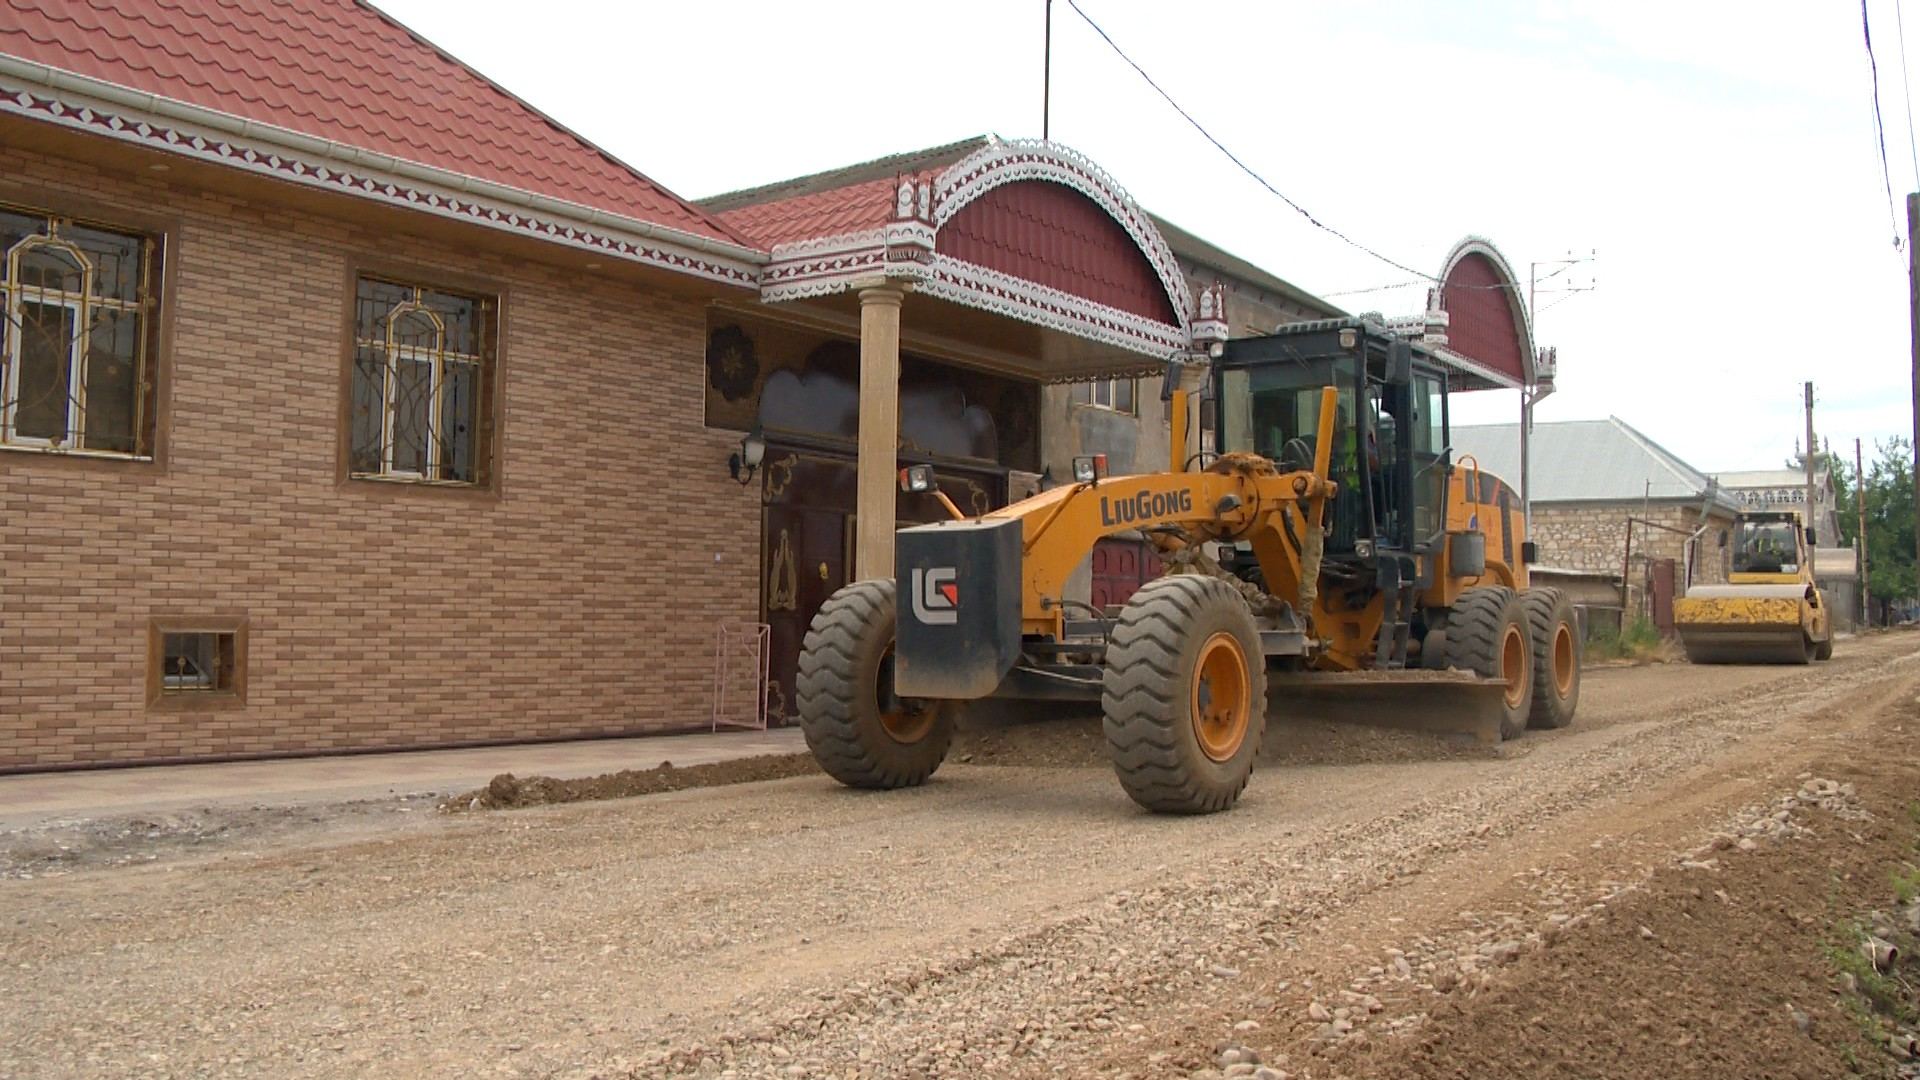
(1046, 77)
(1913, 307)
(1535, 391)
(1807, 520)
(1860, 509)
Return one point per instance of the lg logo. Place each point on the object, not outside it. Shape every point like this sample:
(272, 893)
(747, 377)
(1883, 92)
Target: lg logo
(936, 595)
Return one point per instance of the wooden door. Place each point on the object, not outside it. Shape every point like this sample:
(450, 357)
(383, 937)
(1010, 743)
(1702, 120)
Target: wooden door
(1661, 575)
(1119, 568)
(806, 560)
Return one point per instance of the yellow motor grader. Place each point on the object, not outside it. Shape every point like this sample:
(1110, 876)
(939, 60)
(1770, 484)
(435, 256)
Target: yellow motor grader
(1334, 534)
(1769, 611)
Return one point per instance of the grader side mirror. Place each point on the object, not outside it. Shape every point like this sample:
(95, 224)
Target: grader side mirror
(1209, 415)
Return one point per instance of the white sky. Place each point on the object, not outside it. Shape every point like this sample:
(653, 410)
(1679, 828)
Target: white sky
(1719, 157)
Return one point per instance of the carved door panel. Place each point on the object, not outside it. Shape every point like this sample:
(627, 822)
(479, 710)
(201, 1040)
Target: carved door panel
(807, 546)
(806, 560)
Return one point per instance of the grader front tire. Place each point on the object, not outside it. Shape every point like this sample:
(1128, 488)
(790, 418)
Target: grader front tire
(858, 731)
(1487, 634)
(1555, 632)
(1184, 695)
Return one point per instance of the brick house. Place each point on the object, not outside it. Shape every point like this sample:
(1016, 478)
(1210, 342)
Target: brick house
(1600, 485)
(347, 402)
(288, 458)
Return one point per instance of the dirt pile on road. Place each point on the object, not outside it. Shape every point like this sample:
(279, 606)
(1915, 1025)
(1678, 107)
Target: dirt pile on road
(1024, 738)
(1747, 958)
(507, 791)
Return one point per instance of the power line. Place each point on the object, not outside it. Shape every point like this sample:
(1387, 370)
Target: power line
(1906, 89)
(1514, 287)
(1231, 156)
(1879, 127)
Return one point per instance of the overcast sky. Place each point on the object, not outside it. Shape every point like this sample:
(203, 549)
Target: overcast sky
(1720, 158)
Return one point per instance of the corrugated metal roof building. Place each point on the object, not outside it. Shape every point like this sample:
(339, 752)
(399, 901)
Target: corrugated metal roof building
(1587, 461)
(1606, 499)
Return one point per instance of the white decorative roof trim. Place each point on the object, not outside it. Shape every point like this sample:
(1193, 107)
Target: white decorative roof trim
(823, 265)
(1007, 161)
(830, 245)
(90, 106)
(1018, 298)
(1474, 367)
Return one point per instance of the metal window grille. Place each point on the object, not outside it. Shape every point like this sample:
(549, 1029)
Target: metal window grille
(75, 312)
(423, 368)
(196, 662)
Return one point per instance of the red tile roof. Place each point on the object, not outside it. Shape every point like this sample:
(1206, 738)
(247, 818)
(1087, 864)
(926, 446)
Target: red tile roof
(342, 71)
(854, 208)
(851, 199)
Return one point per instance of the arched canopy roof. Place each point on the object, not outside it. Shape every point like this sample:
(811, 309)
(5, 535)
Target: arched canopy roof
(1018, 229)
(1487, 323)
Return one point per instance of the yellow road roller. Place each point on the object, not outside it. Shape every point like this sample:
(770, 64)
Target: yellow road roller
(1769, 612)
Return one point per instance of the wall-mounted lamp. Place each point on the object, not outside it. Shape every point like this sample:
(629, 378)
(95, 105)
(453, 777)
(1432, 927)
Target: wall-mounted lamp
(744, 462)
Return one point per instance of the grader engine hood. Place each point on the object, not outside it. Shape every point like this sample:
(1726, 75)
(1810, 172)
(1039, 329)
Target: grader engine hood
(958, 622)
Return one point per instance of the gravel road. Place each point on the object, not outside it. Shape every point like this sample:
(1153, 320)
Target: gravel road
(1002, 921)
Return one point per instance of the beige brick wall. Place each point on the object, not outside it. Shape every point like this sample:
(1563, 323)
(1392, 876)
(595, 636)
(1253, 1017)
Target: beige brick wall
(581, 601)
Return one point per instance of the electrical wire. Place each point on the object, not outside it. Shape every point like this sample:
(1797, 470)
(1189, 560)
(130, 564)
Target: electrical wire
(1515, 287)
(1906, 90)
(1231, 156)
(1879, 127)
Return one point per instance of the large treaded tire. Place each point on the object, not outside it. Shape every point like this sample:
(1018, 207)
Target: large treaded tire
(1555, 636)
(845, 672)
(1478, 630)
(1155, 658)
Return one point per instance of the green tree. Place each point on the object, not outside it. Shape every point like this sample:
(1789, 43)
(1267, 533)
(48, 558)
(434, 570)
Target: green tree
(1889, 491)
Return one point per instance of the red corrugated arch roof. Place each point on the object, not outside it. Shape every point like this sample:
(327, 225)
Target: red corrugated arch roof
(1486, 317)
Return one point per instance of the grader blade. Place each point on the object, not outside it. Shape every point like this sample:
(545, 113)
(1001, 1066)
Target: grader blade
(1436, 702)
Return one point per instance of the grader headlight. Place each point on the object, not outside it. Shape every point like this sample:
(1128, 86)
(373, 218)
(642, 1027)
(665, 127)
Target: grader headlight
(916, 479)
(1089, 469)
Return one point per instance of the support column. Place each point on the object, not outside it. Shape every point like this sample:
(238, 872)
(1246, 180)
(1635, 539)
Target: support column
(879, 430)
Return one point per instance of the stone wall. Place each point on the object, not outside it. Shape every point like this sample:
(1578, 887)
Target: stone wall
(1592, 537)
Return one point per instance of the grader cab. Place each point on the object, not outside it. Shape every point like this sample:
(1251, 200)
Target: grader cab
(1333, 533)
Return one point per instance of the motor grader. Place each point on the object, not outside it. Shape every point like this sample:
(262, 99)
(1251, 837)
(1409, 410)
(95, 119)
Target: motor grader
(1769, 611)
(1334, 533)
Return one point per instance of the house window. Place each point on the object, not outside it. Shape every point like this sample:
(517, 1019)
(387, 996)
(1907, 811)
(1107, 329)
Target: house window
(195, 663)
(423, 370)
(78, 302)
(1115, 394)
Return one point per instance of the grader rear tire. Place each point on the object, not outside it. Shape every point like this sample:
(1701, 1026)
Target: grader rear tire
(858, 731)
(1184, 695)
(1487, 635)
(1555, 634)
